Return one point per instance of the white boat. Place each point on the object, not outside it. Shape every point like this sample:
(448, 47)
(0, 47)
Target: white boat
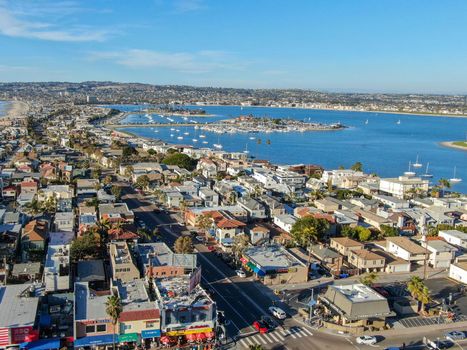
(217, 145)
(246, 151)
(409, 173)
(366, 121)
(427, 175)
(171, 135)
(202, 136)
(252, 137)
(177, 130)
(455, 180)
(186, 133)
(147, 115)
(196, 127)
(172, 129)
(205, 142)
(398, 122)
(180, 137)
(195, 140)
(417, 164)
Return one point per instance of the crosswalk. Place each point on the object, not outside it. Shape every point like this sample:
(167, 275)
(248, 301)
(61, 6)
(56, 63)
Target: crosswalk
(277, 336)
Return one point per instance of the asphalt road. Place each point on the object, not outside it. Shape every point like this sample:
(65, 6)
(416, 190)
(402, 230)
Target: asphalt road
(244, 300)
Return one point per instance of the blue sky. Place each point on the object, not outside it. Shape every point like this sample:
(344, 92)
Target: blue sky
(335, 45)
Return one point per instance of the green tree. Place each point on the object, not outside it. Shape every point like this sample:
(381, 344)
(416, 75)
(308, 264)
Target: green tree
(107, 180)
(309, 229)
(419, 291)
(369, 279)
(117, 192)
(255, 347)
(183, 245)
(128, 151)
(389, 231)
(363, 233)
(240, 243)
(142, 182)
(113, 308)
(96, 173)
(357, 166)
(181, 160)
(204, 222)
(84, 247)
(129, 170)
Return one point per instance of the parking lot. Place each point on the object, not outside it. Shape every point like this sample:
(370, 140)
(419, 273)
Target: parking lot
(417, 321)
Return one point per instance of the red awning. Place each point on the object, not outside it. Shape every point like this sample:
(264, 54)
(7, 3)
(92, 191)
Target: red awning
(165, 340)
(210, 335)
(243, 260)
(190, 337)
(201, 336)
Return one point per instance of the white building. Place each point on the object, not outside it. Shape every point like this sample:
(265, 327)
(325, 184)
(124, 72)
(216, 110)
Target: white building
(441, 253)
(454, 237)
(57, 268)
(404, 248)
(458, 272)
(285, 221)
(402, 186)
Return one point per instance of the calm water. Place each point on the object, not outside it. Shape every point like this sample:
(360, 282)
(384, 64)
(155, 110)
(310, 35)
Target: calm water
(382, 145)
(3, 107)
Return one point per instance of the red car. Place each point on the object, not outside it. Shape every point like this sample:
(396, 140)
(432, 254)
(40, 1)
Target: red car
(261, 326)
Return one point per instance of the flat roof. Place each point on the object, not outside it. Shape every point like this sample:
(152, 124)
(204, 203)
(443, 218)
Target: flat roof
(271, 257)
(89, 306)
(161, 255)
(358, 293)
(17, 308)
(133, 295)
(454, 233)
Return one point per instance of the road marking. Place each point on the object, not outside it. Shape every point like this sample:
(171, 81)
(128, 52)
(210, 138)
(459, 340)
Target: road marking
(307, 331)
(276, 337)
(267, 336)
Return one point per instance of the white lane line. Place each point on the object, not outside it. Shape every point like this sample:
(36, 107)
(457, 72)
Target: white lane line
(249, 341)
(267, 336)
(275, 337)
(243, 343)
(307, 331)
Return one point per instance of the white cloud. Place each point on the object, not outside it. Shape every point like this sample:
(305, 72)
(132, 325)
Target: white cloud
(13, 23)
(197, 62)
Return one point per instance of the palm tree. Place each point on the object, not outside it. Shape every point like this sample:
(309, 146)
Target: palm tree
(444, 184)
(240, 243)
(419, 291)
(183, 245)
(113, 308)
(203, 222)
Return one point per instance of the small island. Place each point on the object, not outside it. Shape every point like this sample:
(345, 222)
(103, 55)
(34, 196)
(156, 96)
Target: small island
(461, 145)
(251, 124)
(178, 111)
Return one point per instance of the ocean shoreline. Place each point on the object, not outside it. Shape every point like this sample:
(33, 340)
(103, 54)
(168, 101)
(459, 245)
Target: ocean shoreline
(15, 109)
(450, 144)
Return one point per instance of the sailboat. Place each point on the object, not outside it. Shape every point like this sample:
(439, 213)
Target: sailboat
(195, 140)
(366, 122)
(202, 136)
(398, 122)
(455, 179)
(246, 151)
(409, 173)
(218, 144)
(417, 164)
(427, 175)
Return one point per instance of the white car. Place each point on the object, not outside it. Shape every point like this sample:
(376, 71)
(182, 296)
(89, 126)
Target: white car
(366, 339)
(241, 273)
(277, 312)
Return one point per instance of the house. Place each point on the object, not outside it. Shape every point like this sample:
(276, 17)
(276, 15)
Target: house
(458, 271)
(92, 325)
(64, 221)
(18, 313)
(272, 205)
(209, 197)
(34, 235)
(92, 272)
(122, 263)
(157, 260)
(403, 186)
(140, 317)
(345, 244)
(116, 212)
(406, 249)
(173, 198)
(328, 204)
(366, 261)
(285, 222)
(258, 234)
(30, 271)
(356, 306)
(327, 256)
(455, 237)
(372, 219)
(273, 265)
(208, 167)
(87, 186)
(226, 227)
(256, 210)
(57, 270)
(441, 253)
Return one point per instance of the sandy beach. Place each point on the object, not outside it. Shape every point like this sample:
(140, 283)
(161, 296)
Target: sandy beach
(451, 144)
(16, 109)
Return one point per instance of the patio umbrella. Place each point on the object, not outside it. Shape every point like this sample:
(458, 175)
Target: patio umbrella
(201, 336)
(165, 340)
(191, 337)
(210, 335)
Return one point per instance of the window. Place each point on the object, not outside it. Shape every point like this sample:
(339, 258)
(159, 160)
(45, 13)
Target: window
(151, 324)
(101, 328)
(90, 329)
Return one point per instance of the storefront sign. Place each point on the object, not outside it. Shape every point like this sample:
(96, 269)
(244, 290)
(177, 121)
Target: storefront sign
(89, 322)
(20, 335)
(150, 333)
(189, 331)
(129, 337)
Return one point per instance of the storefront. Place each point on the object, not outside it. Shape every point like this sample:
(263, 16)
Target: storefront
(203, 335)
(95, 342)
(129, 339)
(150, 336)
(249, 266)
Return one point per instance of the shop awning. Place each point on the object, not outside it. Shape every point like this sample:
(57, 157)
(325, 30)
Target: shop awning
(261, 273)
(250, 265)
(95, 340)
(129, 337)
(243, 260)
(165, 340)
(150, 333)
(42, 344)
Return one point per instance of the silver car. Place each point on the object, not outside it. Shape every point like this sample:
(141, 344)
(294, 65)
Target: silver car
(455, 335)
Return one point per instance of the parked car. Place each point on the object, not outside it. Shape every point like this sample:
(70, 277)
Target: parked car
(366, 339)
(454, 335)
(277, 312)
(240, 273)
(261, 326)
(200, 239)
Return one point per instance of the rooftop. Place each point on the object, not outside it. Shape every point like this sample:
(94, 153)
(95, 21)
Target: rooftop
(271, 257)
(358, 293)
(159, 254)
(454, 233)
(89, 306)
(17, 308)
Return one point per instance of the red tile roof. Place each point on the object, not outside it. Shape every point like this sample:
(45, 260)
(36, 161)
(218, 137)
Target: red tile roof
(137, 315)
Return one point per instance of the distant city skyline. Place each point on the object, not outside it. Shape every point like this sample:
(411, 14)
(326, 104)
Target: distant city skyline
(383, 46)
